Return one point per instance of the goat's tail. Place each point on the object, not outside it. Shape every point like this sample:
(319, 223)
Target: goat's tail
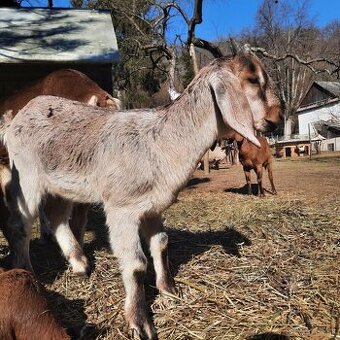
(5, 122)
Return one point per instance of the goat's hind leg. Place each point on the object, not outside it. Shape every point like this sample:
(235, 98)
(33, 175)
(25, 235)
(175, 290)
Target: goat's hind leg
(126, 245)
(270, 176)
(153, 232)
(259, 172)
(58, 212)
(23, 205)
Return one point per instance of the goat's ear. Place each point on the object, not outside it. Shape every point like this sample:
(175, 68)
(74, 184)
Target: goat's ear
(233, 105)
(113, 102)
(93, 101)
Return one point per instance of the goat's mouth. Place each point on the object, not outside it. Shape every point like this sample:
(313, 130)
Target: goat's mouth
(265, 125)
(270, 126)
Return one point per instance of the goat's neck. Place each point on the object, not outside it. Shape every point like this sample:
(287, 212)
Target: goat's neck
(188, 128)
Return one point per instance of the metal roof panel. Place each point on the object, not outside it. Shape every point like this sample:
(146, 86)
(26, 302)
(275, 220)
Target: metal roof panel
(56, 35)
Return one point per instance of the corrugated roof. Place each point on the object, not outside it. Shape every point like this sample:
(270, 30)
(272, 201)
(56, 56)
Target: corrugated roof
(332, 87)
(56, 35)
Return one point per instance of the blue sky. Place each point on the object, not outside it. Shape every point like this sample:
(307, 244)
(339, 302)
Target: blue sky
(228, 17)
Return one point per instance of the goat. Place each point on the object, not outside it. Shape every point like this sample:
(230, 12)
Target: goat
(254, 158)
(216, 154)
(24, 312)
(66, 83)
(88, 154)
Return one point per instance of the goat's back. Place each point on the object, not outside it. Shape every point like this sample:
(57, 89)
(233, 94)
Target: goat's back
(65, 83)
(24, 312)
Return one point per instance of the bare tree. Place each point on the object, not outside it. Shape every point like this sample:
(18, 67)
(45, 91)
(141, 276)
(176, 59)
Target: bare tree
(292, 47)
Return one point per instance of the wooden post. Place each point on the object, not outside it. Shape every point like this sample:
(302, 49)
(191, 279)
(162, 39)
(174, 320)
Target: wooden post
(196, 69)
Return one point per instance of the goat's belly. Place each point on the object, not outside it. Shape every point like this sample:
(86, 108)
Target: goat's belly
(74, 190)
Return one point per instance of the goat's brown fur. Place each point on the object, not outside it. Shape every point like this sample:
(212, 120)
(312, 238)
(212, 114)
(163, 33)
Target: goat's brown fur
(24, 312)
(254, 158)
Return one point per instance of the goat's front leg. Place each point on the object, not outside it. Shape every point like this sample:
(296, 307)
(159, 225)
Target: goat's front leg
(126, 245)
(79, 220)
(58, 212)
(259, 171)
(46, 234)
(155, 236)
(248, 180)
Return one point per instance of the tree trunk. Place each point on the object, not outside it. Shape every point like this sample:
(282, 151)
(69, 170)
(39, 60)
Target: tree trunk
(287, 128)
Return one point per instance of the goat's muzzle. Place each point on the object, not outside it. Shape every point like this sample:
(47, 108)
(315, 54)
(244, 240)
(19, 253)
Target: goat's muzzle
(274, 118)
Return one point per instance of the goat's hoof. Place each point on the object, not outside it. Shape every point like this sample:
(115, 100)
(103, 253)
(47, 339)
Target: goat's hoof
(142, 329)
(167, 288)
(80, 266)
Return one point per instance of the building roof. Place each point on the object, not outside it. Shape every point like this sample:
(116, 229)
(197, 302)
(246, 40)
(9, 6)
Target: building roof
(333, 87)
(56, 35)
(320, 93)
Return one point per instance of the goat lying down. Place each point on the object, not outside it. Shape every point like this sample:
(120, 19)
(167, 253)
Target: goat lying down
(24, 312)
(66, 83)
(254, 158)
(88, 154)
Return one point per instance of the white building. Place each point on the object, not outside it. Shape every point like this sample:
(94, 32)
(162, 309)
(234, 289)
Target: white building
(319, 113)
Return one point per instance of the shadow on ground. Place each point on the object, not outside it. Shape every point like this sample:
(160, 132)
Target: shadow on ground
(49, 264)
(71, 315)
(194, 182)
(268, 336)
(243, 190)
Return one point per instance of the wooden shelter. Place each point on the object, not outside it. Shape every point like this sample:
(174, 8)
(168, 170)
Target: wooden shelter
(36, 41)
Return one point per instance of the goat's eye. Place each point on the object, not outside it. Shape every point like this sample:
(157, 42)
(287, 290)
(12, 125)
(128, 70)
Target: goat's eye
(254, 80)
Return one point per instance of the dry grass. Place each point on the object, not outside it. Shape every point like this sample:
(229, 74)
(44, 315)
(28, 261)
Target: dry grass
(247, 268)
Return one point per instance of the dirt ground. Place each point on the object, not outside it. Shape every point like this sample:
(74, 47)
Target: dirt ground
(246, 267)
(318, 177)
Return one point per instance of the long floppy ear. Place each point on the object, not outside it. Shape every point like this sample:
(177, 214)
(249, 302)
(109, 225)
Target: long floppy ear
(233, 105)
(113, 102)
(93, 101)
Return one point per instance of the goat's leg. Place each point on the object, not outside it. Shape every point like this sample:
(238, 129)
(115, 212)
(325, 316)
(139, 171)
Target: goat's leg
(5, 179)
(248, 180)
(23, 206)
(58, 212)
(155, 236)
(126, 245)
(259, 172)
(270, 175)
(46, 234)
(78, 221)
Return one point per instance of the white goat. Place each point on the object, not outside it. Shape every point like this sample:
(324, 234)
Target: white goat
(89, 154)
(66, 83)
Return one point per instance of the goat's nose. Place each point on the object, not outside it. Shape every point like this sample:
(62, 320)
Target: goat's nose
(271, 126)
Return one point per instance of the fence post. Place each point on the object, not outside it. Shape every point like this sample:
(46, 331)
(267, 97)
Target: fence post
(310, 142)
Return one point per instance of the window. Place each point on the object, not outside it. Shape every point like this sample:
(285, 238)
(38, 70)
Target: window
(330, 147)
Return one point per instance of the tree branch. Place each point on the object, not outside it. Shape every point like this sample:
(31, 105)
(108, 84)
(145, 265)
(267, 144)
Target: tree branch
(295, 57)
(213, 49)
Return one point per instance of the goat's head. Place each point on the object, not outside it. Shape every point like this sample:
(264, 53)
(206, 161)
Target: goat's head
(113, 103)
(245, 95)
(108, 101)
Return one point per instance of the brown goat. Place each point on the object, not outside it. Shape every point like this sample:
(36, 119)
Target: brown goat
(254, 158)
(24, 312)
(66, 83)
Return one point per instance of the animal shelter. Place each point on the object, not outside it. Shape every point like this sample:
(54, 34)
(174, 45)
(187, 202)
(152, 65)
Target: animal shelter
(35, 42)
